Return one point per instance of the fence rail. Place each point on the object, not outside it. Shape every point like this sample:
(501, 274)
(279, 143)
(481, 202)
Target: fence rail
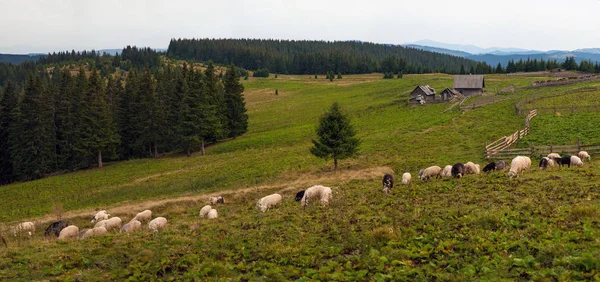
(543, 150)
(503, 143)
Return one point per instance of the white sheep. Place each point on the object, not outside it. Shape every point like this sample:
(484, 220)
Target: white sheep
(157, 224)
(447, 171)
(268, 202)
(553, 156)
(27, 226)
(217, 200)
(101, 215)
(204, 211)
(143, 216)
(584, 155)
(576, 161)
(92, 232)
(320, 192)
(406, 178)
(111, 223)
(133, 225)
(519, 164)
(212, 214)
(432, 171)
(472, 168)
(70, 231)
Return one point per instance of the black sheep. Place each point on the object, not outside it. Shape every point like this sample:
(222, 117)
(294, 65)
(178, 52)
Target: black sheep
(299, 196)
(458, 170)
(544, 163)
(55, 228)
(565, 160)
(489, 167)
(388, 183)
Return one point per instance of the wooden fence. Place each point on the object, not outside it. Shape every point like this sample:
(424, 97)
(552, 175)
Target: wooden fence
(539, 151)
(503, 143)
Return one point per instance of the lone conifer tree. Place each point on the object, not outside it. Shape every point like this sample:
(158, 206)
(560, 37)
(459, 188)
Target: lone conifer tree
(337, 138)
(237, 116)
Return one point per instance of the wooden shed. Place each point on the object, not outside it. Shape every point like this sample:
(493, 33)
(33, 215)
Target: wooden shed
(469, 85)
(450, 94)
(421, 94)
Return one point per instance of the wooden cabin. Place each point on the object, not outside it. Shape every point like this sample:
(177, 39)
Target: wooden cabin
(421, 94)
(469, 85)
(450, 94)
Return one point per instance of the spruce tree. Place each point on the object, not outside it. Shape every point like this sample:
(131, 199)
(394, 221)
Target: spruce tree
(151, 113)
(7, 106)
(237, 117)
(189, 120)
(99, 131)
(31, 135)
(66, 122)
(336, 137)
(216, 98)
(129, 118)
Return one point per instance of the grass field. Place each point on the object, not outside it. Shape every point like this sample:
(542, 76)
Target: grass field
(542, 226)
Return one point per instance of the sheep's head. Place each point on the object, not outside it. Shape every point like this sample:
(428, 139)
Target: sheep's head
(512, 174)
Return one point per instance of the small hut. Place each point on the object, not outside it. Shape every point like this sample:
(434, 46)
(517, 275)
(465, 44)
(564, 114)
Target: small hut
(469, 85)
(450, 94)
(421, 94)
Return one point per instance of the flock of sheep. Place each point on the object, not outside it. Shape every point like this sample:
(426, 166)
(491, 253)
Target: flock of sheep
(517, 165)
(104, 223)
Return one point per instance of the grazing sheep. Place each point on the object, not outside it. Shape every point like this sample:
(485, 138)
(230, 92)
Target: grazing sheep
(564, 160)
(317, 192)
(545, 162)
(157, 224)
(406, 177)
(576, 161)
(519, 164)
(388, 183)
(299, 196)
(458, 170)
(212, 214)
(501, 165)
(217, 200)
(70, 231)
(421, 173)
(553, 156)
(101, 215)
(489, 167)
(447, 172)
(471, 168)
(55, 228)
(268, 202)
(204, 211)
(92, 232)
(432, 171)
(28, 227)
(111, 223)
(133, 225)
(583, 155)
(143, 216)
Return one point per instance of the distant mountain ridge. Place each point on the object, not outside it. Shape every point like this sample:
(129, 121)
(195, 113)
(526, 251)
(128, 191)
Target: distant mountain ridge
(495, 55)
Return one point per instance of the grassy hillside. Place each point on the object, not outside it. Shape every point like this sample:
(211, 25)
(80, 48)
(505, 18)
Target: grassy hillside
(543, 225)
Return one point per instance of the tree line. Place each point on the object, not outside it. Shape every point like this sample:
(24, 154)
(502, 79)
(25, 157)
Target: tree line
(315, 57)
(65, 122)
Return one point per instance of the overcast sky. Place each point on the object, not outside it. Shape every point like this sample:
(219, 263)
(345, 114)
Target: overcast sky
(52, 25)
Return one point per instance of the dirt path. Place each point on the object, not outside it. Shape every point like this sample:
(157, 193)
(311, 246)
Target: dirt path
(291, 183)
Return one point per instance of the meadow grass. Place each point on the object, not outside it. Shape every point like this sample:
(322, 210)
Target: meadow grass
(540, 226)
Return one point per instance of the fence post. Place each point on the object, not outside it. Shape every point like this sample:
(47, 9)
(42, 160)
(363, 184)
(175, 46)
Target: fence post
(550, 147)
(578, 144)
(532, 148)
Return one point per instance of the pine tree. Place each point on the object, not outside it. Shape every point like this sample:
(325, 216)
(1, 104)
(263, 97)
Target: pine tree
(190, 121)
(99, 129)
(129, 118)
(237, 117)
(31, 135)
(67, 122)
(7, 106)
(337, 138)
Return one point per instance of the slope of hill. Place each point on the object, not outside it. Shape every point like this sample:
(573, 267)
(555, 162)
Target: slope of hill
(540, 226)
(473, 49)
(17, 59)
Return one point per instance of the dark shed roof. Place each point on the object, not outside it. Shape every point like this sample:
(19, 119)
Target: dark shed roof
(469, 81)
